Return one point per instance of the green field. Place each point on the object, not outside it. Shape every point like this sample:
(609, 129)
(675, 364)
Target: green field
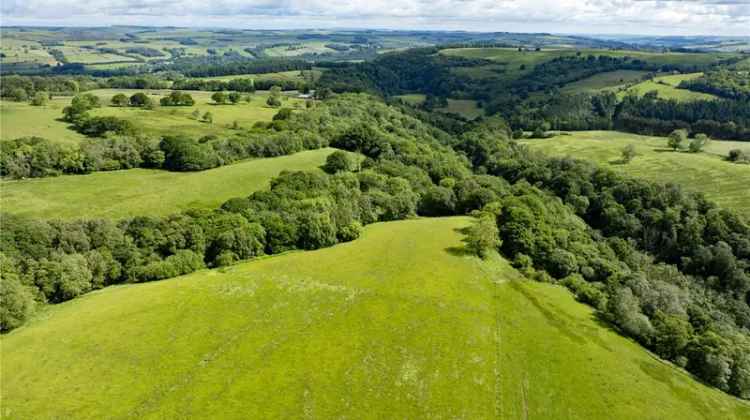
(464, 107)
(19, 119)
(133, 192)
(293, 75)
(398, 324)
(667, 86)
(177, 119)
(24, 51)
(724, 182)
(610, 80)
(22, 119)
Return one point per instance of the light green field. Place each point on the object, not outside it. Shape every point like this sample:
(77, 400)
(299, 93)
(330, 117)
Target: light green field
(465, 107)
(676, 79)
(313, 47)
(85, 56)
(24, 51)
(667, 88)
(133, 192)
(19, 119)
(412, 98)
(398, 324)
(610, 80)
(723, 182)
(293, 75)
(22, 119)
(177, 119)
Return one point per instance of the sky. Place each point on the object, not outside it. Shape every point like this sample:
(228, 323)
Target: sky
(648, 17)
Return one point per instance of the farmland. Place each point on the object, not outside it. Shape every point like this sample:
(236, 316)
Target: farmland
(22, 119)
(667, 88)
(706, 172)
(135, 192)
(403, 325)
(19, 119)
(608, 81)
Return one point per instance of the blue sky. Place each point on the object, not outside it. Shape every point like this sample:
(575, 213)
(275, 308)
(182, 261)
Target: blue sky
(653, 17)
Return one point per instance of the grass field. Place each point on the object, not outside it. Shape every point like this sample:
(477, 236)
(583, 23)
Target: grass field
(22, 119)
(724, 182)
(135, 192)
(19, 119)
(293, 75)
(464, 107)
(176, 120)
(610, 80)
(398, 324)
(667, 88)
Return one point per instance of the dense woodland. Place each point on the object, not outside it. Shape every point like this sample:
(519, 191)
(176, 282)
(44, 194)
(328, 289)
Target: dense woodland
(667, 268)
(534, 99)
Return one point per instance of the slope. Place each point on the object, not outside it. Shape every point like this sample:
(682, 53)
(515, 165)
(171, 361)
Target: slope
(707, 172)
(133, 192)
(398, 324)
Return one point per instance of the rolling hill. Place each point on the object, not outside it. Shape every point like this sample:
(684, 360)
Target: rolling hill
(401, 323)
(132, 192)
(707, 172)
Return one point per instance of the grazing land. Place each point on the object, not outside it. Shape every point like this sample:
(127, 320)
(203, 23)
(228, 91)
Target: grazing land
(178, 119)
(136, 192)
(20, 119)
(402, 321)
(293, 75)
(724, 182)
(608, 81)
(667, 87)
(465, 107)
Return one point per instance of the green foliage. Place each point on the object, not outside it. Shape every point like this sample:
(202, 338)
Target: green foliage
(176, 98)
(338, 161)
(698, 143)
(482, 237)
(219, 98)
(140, 100)
(677, 139)
(120, 100)
(40, 99)
(628, 153)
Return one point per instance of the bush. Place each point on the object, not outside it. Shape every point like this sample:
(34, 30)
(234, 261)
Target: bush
(338, 161)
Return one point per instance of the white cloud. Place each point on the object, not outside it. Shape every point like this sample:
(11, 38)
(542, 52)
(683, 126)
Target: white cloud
(713, 17)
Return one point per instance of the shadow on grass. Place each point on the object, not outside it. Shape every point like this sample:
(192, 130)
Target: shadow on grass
(459, 251)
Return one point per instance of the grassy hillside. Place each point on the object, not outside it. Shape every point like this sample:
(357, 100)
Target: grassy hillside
(667, 86)
(724, 182)
(171, 120)
(22, 119)
(146, 191)
(398, 324)
(19, 119)
(610, 80)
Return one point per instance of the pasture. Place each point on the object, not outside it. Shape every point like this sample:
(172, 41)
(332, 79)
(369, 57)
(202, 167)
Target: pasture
(293, 75)
(136, 192)
(399, 323)
(464, 107)
(22, 119)
(19, 119)
(607, 81)
(667, 88)
(707, 172)
(179, 119)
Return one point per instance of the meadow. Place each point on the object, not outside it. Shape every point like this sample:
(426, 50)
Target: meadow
(400, 323)
(724, 182)
(667, 87)
(293, 75)
(134, 192)
(22, 119)
(607, 81)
